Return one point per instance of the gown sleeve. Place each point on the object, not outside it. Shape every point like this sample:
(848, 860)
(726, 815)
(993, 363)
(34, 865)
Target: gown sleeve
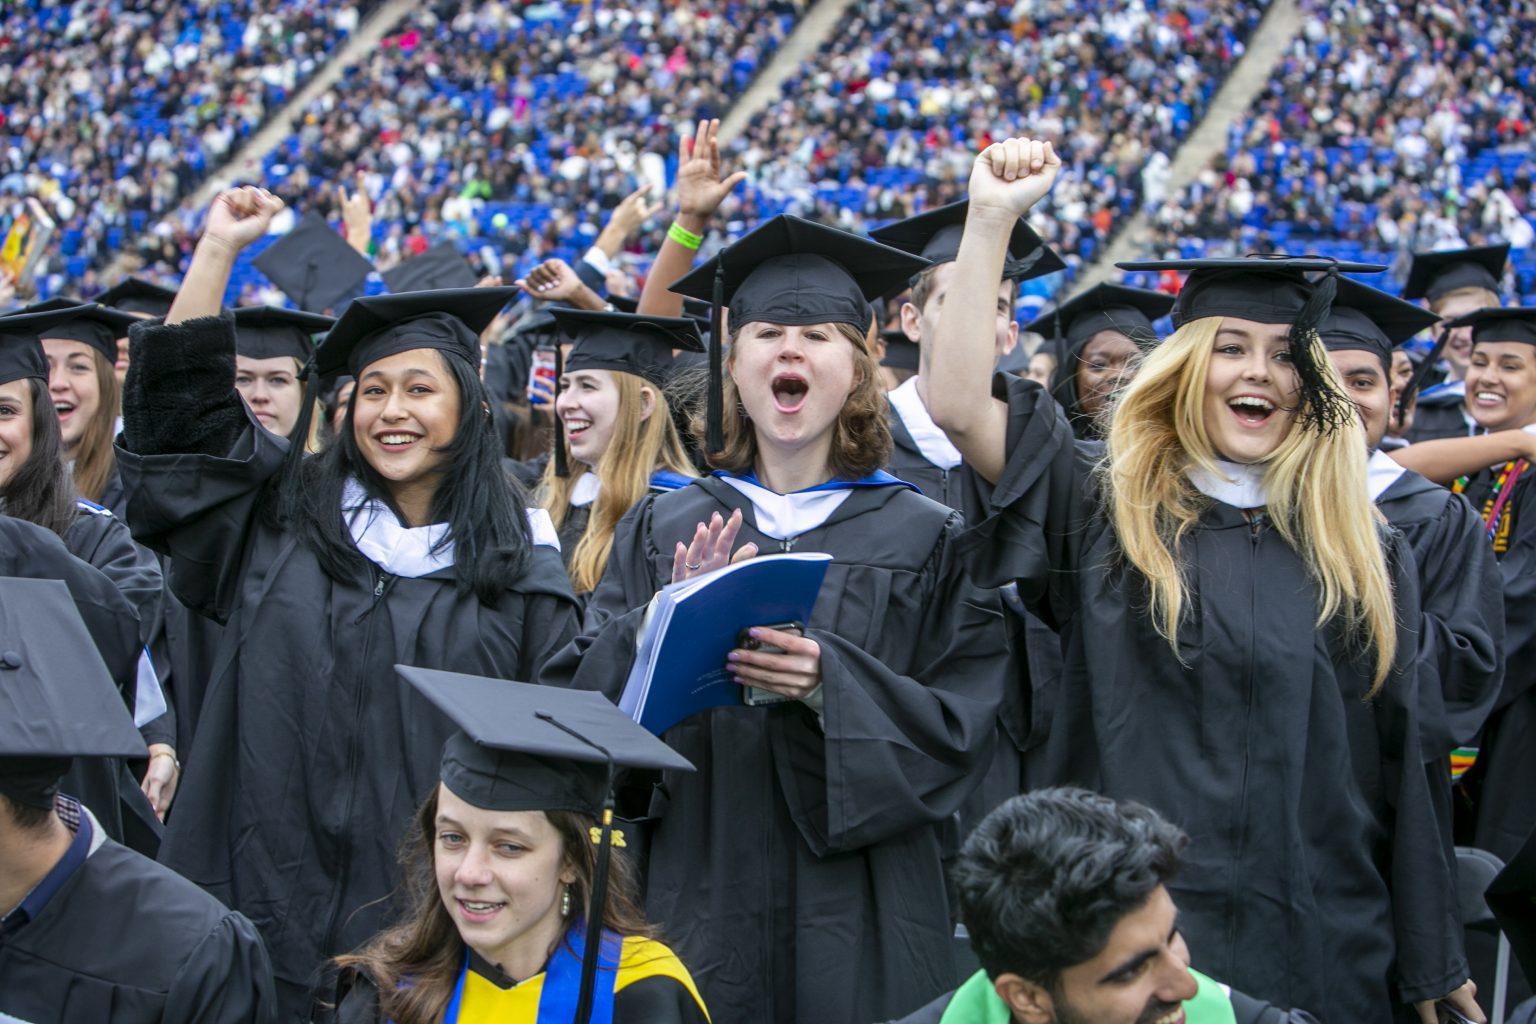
(1023, 534)
(227, 980)
(1461, 625)
(657, 1000)
(193, 461)
(897, 750)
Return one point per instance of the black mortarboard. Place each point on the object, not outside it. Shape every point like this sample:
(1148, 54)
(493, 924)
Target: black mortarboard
(1271, 289)
(1368, 318)
(791, 272)
(57, 697)
(267, 332)
(314, 266)
(376, 326)
(92, 324)
(935, 236)
(20, 354)
(626, 342)
(1433, 274)
(1513, 323)
(441, 266)
(901, 352)
(694, 309)
(1105, 307)
(136, 295)
(542, 748)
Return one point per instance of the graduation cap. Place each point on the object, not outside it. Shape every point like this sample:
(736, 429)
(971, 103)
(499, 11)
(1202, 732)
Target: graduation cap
(57, 698)
(694, 309)
(1105, 307)
(313, 265)
(542, 748)
(20, 354)
(1433, 274)
(1368, 318)
(441, 266)
(1494, 323)
(901, 352)
(90, 323)
(376, 326)
(791, 272)
(267, 332)
(1271, 289)
(935, 236)
(136, 295)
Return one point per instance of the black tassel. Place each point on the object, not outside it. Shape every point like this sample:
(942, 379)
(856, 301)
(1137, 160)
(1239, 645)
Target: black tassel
(1324, 408)
(298, 441)
(714, 435)
(1422, 371)
(596, 911)
(562, 465)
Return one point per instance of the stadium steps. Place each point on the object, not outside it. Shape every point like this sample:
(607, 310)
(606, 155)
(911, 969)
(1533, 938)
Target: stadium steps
(813, 29)
(1282, 22)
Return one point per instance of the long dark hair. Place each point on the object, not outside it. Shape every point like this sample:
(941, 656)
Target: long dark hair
(425, 951)
(485, 512)
(41, 491)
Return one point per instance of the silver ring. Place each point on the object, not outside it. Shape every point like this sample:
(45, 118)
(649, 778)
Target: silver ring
(690, 567)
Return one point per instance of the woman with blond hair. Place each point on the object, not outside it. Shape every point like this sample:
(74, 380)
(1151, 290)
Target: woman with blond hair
(799, 871)
(615, 439)
(1229, 605)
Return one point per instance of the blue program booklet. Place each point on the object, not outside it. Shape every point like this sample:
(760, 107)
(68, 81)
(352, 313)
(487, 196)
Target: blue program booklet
(692, 625)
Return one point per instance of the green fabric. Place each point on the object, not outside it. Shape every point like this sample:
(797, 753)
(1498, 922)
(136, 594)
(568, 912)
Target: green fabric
(975, 1002)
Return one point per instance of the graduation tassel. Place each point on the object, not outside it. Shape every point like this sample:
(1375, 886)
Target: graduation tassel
(1326, 409)
(298, 442)
(714, 439)
(596, 910)
(1422, 371)
(562, 464)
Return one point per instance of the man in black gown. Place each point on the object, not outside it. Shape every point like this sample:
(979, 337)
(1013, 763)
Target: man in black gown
(90, 930)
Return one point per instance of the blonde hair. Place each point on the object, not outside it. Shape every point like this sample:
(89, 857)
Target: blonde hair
(95, 458)
(1318, 499)
(861, 435)
(637, 449)
(1484, 297)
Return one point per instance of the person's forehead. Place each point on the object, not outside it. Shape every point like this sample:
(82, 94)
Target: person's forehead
(1145, 928)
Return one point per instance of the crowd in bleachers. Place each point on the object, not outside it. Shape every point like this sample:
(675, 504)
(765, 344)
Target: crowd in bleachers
(111, 112)
(1377, 135)
(876, 124)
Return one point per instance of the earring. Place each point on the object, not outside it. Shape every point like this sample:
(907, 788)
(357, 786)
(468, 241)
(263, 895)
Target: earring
(565, 902)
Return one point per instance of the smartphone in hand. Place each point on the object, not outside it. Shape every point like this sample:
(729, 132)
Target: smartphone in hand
(755, 696)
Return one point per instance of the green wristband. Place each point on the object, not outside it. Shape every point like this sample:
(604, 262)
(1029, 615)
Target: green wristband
(685, 238)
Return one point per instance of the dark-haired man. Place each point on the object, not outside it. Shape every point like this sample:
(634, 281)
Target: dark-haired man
(1063, 894)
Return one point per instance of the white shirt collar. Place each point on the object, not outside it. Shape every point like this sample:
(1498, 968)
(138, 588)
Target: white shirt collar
(414, 551)
(1238, 484)
(930, 440)
(585, 491)
(784, 516)
(1381, 472)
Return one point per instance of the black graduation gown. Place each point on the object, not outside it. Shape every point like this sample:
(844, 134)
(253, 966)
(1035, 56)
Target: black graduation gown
(311, 754)
(968, 492)
(798, 872)
(1317, 875)
(1461, 635)
(1439, 416)
(107, 785)
(129, 941)
(1504, 778)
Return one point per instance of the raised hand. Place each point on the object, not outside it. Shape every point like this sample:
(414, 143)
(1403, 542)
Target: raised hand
(710, 548)
(632, 212)
(356, 215)
(1013, 175)
(239, 216)
(699, 188)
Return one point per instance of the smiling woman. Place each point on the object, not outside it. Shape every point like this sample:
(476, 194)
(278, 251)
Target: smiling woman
(402, 541)
(812, 833)
(1228, 603)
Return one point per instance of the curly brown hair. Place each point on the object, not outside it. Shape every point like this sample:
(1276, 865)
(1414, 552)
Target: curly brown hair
(861, 437)
(425, 949)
